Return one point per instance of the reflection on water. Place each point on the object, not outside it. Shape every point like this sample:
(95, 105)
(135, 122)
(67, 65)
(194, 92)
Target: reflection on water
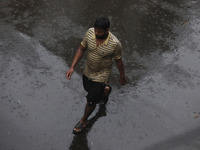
(80, 140)
(145, 28)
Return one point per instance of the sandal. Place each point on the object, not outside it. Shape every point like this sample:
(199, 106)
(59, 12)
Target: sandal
(105, 98)
(79, 127)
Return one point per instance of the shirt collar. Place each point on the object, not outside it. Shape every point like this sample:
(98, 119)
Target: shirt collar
(106, 41)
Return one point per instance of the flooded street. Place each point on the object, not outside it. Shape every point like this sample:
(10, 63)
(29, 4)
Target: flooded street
(159, 107)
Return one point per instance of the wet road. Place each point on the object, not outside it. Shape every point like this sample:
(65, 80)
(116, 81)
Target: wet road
(159, 109)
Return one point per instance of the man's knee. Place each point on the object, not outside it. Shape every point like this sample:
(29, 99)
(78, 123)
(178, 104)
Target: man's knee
(107, 90)
(91, 103)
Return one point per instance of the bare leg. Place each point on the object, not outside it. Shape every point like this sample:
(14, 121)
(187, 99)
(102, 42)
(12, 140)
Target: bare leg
(106, 91)
(88, 110)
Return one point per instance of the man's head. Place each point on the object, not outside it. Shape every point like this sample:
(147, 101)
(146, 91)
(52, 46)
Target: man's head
(101, 27)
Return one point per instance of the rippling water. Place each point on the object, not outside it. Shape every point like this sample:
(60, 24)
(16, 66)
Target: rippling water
(157, 109)
(146, 29)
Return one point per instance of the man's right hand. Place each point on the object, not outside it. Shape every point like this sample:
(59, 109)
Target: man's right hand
(69, 73)
(77, 57)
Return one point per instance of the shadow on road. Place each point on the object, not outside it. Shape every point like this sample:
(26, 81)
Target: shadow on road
(80, 140)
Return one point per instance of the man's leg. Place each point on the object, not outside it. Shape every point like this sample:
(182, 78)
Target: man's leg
(88, 110)
(105, 96)
(95, 90)
(106, 90)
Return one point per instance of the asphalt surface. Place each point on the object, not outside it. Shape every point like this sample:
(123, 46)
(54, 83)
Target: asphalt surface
(159, 107)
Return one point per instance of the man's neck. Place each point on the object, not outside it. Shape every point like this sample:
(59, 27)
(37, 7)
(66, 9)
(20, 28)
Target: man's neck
(100, 41)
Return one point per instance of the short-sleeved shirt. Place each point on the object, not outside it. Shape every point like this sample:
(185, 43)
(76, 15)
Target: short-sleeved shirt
(99, 58)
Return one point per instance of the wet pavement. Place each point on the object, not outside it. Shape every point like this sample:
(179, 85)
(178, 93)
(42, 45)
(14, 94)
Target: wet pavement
(159, 108)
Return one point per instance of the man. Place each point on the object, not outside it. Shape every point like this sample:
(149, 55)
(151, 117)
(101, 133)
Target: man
(102, 47)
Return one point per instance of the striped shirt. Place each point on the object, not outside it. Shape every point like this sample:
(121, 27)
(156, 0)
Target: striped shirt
(99, 58)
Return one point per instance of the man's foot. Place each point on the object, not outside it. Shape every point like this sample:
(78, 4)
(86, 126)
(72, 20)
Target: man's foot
(107, 91)
(79, 127)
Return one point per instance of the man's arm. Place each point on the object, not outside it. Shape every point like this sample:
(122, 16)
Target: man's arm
(120, 67)
(77, 57)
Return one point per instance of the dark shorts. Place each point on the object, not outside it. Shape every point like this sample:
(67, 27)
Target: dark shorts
(95, 90)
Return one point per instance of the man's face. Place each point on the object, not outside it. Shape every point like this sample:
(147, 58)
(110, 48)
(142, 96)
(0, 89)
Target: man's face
(101, 33)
